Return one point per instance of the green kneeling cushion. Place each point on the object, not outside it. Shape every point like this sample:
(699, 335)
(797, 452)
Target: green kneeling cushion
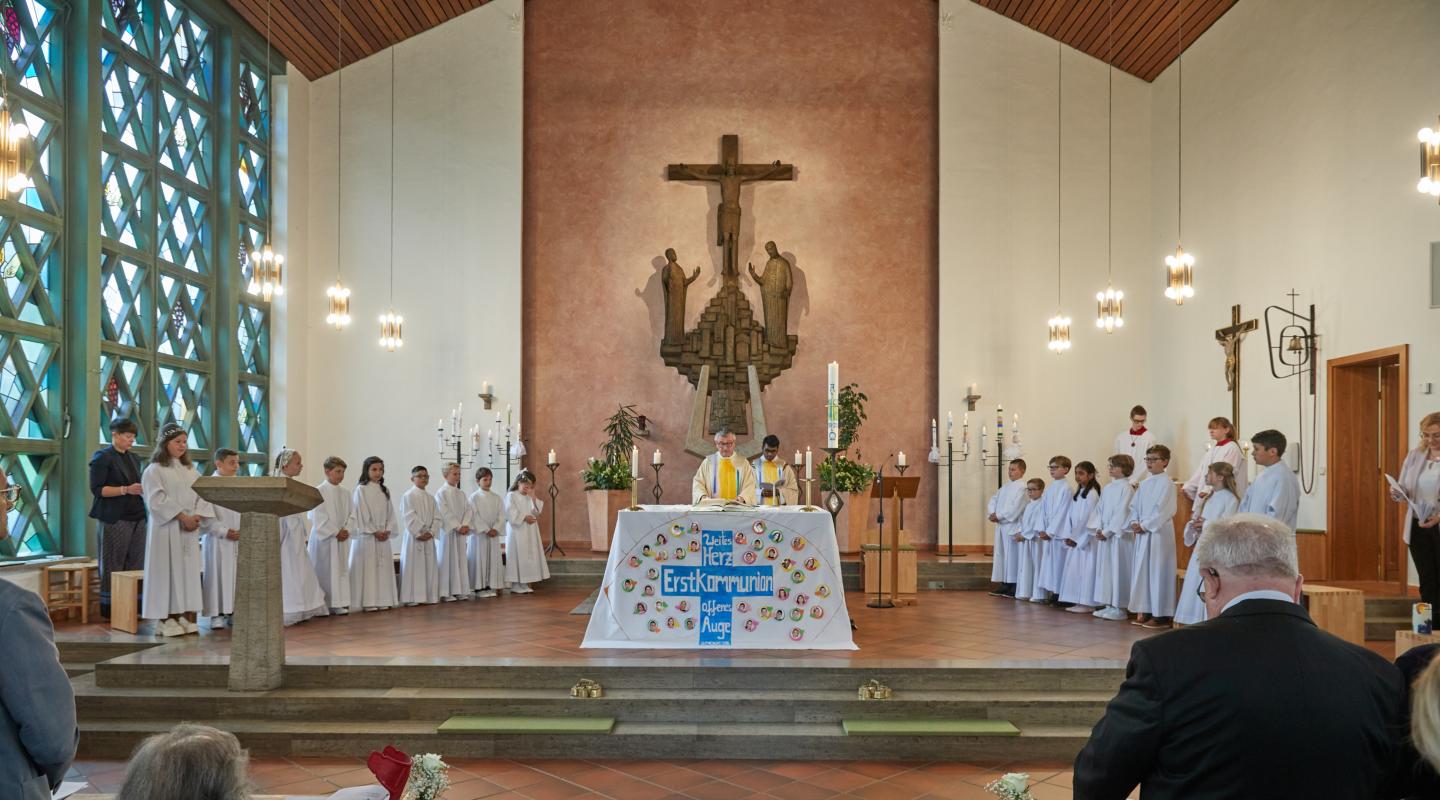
(541, 725)
(929, 727)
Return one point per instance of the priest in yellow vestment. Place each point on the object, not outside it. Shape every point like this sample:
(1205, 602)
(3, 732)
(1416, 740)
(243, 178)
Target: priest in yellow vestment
(724, 475)
(775, 483)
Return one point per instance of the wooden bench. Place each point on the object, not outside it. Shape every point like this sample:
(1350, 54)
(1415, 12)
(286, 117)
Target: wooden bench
(70, 586)
(125, 600)
(1339, 611)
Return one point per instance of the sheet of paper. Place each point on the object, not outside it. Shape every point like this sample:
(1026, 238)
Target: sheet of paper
(68, 788)
(361, 793)
(1400, 490)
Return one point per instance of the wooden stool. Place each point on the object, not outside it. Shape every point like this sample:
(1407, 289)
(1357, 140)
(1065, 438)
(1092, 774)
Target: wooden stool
(125, 600)
(74, 590)
(1339, 611)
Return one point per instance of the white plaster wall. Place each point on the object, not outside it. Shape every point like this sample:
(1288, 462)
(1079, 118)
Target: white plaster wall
(457, 240)
(289, 354)
(998, 247)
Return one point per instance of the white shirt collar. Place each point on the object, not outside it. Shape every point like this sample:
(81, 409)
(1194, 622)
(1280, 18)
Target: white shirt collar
(1258, 594)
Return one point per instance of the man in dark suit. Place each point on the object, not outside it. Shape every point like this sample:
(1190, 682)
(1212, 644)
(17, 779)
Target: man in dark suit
(1256, 702)
(119, 507)
(38, 734)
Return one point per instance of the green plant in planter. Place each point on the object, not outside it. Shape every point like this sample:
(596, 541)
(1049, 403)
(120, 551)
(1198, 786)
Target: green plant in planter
(612, 469)
(852, 412)
(600, 475)
(846, 475)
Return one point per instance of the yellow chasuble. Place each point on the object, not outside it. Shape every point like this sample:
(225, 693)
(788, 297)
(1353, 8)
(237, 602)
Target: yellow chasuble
(728, 478)
(770, 473)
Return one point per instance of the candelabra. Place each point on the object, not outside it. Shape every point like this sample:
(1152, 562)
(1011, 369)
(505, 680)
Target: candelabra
(554, 491)
(808, 483)
(901, 469)
(657, 491)
(452, 447)
(998, 459)
(635, 493)
(513, 453)
(948, 462)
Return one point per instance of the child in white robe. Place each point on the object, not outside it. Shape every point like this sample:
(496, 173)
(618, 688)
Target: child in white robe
(1006, 508)
(372, 557)
(1057, 515)
(1027, 547)
(331, 524)
(172, 547)
(1223, 447)
(1152, 520)
(1116, 545)
(303, 598)
(1135, 440)
(1276, 491)
(419, 561)
(220, 546)
(1078, 586)
(1216, 504)
(524, 554)
(457, 524)
(487, 568)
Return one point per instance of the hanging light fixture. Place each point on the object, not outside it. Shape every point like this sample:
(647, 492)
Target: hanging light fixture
(1110, 304)
(13, 177)
(392, 336)
(1180, 267)
(267, 267)
(1060, 323)
(1429, 161)
(338, 296)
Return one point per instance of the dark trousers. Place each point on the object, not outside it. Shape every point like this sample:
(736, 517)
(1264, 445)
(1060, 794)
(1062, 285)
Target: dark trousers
(122, 548)
(1425, 550)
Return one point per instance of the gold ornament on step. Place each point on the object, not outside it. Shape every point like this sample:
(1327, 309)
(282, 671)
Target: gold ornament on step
(587, 689)
(874, 690)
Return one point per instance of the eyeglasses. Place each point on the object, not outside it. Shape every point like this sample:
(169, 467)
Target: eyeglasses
(11, 493)
(1200, 590)
(1138, 420)
(1152, 459)
(1057, 466)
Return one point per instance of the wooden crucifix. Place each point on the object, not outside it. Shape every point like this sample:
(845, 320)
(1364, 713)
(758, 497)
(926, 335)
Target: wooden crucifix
(730, 174)
(1230, 338)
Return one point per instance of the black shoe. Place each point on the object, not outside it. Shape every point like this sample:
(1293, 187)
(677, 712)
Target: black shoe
(105, 611)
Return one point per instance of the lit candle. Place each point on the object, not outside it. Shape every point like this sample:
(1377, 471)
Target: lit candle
(1016, 426)
(832, 404)
(517, 431)
(900, 459)
(656, 459)
(508, 415)
(799, 459)
(809, 474)
(634, 462)
(935, 434)
(439, 424)
(550, 458)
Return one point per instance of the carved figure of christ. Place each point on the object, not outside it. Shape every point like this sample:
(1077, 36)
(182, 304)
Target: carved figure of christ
(1229, 339)
(730, 175)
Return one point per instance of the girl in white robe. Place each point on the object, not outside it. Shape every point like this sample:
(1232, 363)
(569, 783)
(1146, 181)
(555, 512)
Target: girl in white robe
(524, 554)
(372, 557)
(1078, 585)
(303, 598)
(1057, 514)
(1027, 549)
(172, 537)
(220, 548)
(1218, 504)
(1116, 545)
(1152, 520)
(331, 525)
(1005, 509)
(487, 568)
(1223, 447)
(457, 523)
(419, 561)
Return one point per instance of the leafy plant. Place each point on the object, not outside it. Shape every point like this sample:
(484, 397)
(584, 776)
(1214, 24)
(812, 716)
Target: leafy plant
(621, 428)
(852, 412)
(846, 475)
(601, 475)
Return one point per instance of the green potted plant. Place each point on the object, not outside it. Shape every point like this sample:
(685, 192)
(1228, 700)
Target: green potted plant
(851, 476)
(607, 479)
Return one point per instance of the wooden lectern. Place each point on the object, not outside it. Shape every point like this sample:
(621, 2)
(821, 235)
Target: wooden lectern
(891, 547)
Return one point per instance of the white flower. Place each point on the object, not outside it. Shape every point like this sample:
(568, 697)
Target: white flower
(430, 762)
(1016, 781)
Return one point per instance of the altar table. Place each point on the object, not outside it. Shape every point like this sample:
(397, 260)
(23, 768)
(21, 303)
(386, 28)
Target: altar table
(761, 578)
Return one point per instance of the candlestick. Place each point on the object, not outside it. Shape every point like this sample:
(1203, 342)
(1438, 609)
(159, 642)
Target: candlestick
(833, 501)
(550, 458)
(900, 460)
(553, 492)
(635, 493)
(656, 459)
(657, 491)
(485, 387)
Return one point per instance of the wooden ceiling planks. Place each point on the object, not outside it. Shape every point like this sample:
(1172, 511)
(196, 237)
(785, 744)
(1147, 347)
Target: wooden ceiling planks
(303, 31)
(1143, 34)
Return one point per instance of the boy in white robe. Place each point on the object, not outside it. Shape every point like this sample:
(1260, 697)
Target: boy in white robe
(1057, 514)
(1135, 441)
(1276, 491)
(1027, 546)
(524, 554)
(303, 598)
(1152, 520)
(1216, 502)
(1116, 544)
(487, 568)
(457, 521)
(330, 525)
(1078, 586)
(220, 546)
(372, 557)
(1006, 508)
(419, 561)
(1223, 447)
(172, 547)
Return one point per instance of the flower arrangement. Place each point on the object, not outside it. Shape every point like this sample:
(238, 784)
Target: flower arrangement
(1011, 786)
(429, 778)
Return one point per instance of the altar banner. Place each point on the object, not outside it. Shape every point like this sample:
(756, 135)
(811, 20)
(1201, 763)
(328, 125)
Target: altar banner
(763, 578)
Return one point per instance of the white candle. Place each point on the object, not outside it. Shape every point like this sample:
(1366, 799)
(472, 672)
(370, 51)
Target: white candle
(832, 404)
(517, 431)
(974, 390)
(799, 459)
(485, 387)
(508, 415)
(550, 457)
(900, 459)
(656, 459)
(809, 473)
(634, 462)
(935, 435)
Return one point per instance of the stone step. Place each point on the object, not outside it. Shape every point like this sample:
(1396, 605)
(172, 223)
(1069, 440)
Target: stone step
(73, 670)
(628, 740)
(90, 649)
(1382, 629)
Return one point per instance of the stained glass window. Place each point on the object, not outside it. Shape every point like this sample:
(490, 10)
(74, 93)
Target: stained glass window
(252, 334)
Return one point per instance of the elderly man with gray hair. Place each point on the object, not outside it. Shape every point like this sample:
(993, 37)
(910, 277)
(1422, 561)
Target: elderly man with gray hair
(1255, 702)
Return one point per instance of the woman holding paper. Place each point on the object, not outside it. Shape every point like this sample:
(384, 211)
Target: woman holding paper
(1418, 488)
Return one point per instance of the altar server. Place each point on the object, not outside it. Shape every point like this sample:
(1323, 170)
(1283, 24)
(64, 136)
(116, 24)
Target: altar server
(220, 545)
(1056, 518)
(172, 546)
(372, 557)
(1027, 546)
(457, 524)
(1135, 441)
(1152, 520)
(487, 568)
(724, 475)
(524, 555)
(1223, 447)
(1115, 554)
(1218, 500)
(303, 598)
(419, 561)
(1078, 584)
(775, 481)
(1006, 508)
(1276, 491)
(331, 523)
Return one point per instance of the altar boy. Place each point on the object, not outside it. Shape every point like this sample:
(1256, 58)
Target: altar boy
(1152, 520)
(419, 563)
(1054, 521)
(1006, 508)
(487, 570)
(457, 522)
(220, 545)
(329, 547)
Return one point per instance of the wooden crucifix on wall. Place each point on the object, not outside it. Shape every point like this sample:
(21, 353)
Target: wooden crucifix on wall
(1230, 338)
(730, 174)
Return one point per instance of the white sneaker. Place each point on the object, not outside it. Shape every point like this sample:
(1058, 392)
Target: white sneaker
(1113, 614)
(487, 593)
(1037, 599)
(218, 623)
(465, 597)
(169, 627)
(188, 626)
(339, 612)
(448, 599)
(1080, 609)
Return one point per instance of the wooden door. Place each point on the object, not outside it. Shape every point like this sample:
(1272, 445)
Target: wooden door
(1356, 549)
(1392, 426)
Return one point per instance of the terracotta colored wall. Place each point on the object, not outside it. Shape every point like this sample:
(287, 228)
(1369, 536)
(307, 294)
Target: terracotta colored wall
(846, 90)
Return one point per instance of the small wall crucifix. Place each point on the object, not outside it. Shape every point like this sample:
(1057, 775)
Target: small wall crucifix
(1230, 338)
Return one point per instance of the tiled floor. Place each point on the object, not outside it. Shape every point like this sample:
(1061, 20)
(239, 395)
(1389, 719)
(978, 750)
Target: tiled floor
(650, 780)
